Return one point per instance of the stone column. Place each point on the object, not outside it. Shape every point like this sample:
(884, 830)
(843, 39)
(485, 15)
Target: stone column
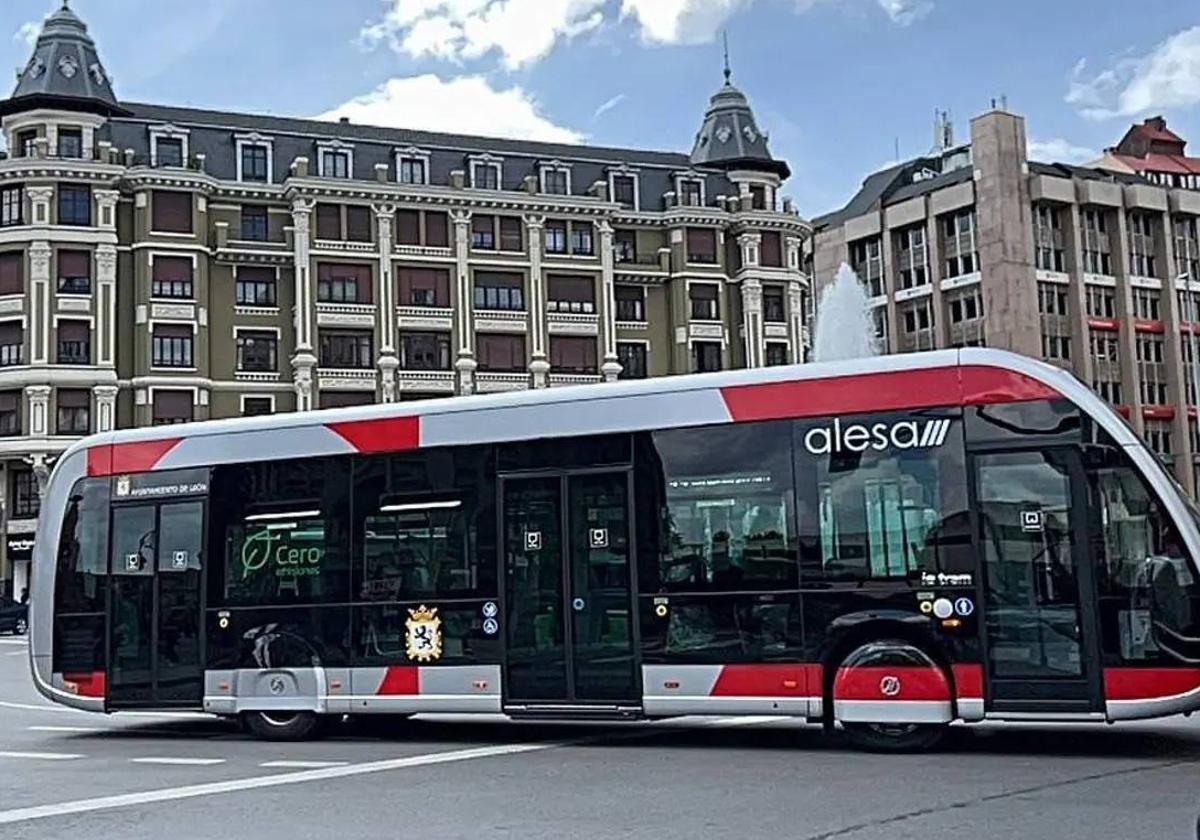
(752, 321)
(39, 200)
(539, 365)
(106, 407)
(39, 463)
(465, 364)
(38, 399)
(39, 303)
(388, 361)
(795, 304)
(303, 360)
(106, 210)
(611, 367)
(106, 305)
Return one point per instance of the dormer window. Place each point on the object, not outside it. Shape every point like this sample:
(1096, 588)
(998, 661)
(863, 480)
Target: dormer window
(27, 142)
(335, 163)
(485, 174)
(691, 192)
(254, 159)
(70, 143)
(623, 187)
(556, 179)
(412, 166)
(168, 151)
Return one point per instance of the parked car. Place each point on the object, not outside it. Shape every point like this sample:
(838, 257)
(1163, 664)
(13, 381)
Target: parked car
(14, 617)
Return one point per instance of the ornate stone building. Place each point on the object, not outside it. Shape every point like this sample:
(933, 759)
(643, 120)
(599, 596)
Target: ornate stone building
(162, 264)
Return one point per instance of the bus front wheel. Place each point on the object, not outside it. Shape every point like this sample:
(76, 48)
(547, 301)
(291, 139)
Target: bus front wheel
(282, 726)
(894, 737)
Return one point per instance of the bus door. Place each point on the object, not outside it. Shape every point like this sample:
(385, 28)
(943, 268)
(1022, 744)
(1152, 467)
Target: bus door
(1040, 630)
(568, 598)
(154, 617)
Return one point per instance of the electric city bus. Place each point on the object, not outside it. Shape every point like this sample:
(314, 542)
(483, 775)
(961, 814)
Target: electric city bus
(884, 546)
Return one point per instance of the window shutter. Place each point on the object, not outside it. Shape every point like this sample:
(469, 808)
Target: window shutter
(172, 211)
(772, 254)
(74, 398)
(358, 224)
(74, 331)
(174, 405)
(436, 230)
(567, 287)
(329, 221)
(172, 269)
(74, 264)
(12, 274)
(408, 227)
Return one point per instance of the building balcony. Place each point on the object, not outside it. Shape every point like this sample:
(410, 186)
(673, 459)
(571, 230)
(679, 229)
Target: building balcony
(561, 379)
(346, 379)
(491, 382)
(346, 315)
(345, 246)
(424, 252)
(424, 317)
(571, 323)
(428, 381)
(500, 320)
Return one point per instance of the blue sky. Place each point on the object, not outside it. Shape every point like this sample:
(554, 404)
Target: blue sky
(836, 83)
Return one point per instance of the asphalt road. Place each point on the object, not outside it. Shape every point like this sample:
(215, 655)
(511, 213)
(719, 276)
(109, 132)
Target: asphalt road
(71, 774)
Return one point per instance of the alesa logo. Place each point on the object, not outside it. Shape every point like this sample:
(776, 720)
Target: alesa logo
(907, 434)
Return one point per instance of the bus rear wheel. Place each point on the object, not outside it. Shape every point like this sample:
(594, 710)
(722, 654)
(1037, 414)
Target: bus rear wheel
(895, 737)
(283, 726)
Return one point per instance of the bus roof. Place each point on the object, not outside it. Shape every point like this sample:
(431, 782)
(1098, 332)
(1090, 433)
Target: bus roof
(907, 381)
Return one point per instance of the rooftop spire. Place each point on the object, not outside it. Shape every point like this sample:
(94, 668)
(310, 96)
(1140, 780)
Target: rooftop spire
(724, 37)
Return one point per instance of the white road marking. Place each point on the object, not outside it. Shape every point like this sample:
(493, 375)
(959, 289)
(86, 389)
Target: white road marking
(303, 765)
(17, 653)
(64, 729)
(44, 756)
(20, 642)
(186, 762)
(105, 803)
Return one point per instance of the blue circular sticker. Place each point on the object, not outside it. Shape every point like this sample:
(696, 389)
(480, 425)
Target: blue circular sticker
(490, 609)
(490, 626)
(964, 606)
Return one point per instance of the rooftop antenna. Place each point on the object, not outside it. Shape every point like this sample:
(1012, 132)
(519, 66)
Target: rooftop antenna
(725, 38)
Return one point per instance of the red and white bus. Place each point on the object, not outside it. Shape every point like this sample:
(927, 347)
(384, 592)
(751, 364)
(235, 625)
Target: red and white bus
(887, 545)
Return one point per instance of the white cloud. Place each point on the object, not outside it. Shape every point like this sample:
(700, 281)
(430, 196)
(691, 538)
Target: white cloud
(464, 105)
(905, 12)
(1166, 77)
(1059, 150)
(608, 106)
(521, 31)
(28, 33)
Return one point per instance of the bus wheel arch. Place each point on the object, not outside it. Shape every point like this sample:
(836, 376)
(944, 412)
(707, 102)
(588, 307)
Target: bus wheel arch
(889, 686)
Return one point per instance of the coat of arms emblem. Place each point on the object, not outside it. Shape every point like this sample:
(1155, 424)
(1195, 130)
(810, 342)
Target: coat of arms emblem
(423, 634)
(123, 485)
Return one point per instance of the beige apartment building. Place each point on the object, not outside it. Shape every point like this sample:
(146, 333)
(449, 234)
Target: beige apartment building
(161, 264)
(1092, 268)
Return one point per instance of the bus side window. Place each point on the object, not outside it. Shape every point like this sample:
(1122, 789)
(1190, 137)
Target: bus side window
(1148, 588)
(882, 497)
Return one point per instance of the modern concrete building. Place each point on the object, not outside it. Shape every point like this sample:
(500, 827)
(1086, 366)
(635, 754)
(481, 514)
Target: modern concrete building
(162, 264)
(1095, 269)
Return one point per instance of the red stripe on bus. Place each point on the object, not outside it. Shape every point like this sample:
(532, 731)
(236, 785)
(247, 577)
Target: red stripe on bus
(88, 684)
(400, 679)
(768, 680)
(384, 434)
(869, 392)
(1149, 683)
(968, 681)
(872, 682)
(135, 457)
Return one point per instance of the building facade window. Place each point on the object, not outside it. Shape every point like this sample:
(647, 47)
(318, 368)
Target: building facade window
(171, 346)
(1049, 249)
(74, 272)
(770, 252)
(255, 286)
(625, 246)
(581, 239)
(412, 170)
(26, 501)
(1052, 299)
(1101, 301)
(12, 343)
(706, 356)
(74, 205)
(169, 408)
(1187, 246)
(701, 245)
(343, 283)
(335, 163)
(358, 223)
(705, 301)
(501, 353)
(959, 247)
(1152, 379)
(483, 232)
(168, 152)
(27, 143)
(347, 349)
(632, 356)
(425, 351)
(777, 354)
(624, 188)
(556, 180)
(12, 273)
(254, 223)
(966, 307)
(572, 354)
(70, 143)
(498, 290)
(10, 412)
(631, 303)
(74, 411)
(257, 351)
(485, 176)
(255, 159)
(1097, 248)
(866, 258)
(257, 406)
(691, 192)
(570, 293)
(1056, 347)
(1146, 304)
(74, 342)
(171, 211)
(774, 304)
(1141, 245)
(556, 236)
(171, 277)
(12, 206)
(424, 287)
(913, 256)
